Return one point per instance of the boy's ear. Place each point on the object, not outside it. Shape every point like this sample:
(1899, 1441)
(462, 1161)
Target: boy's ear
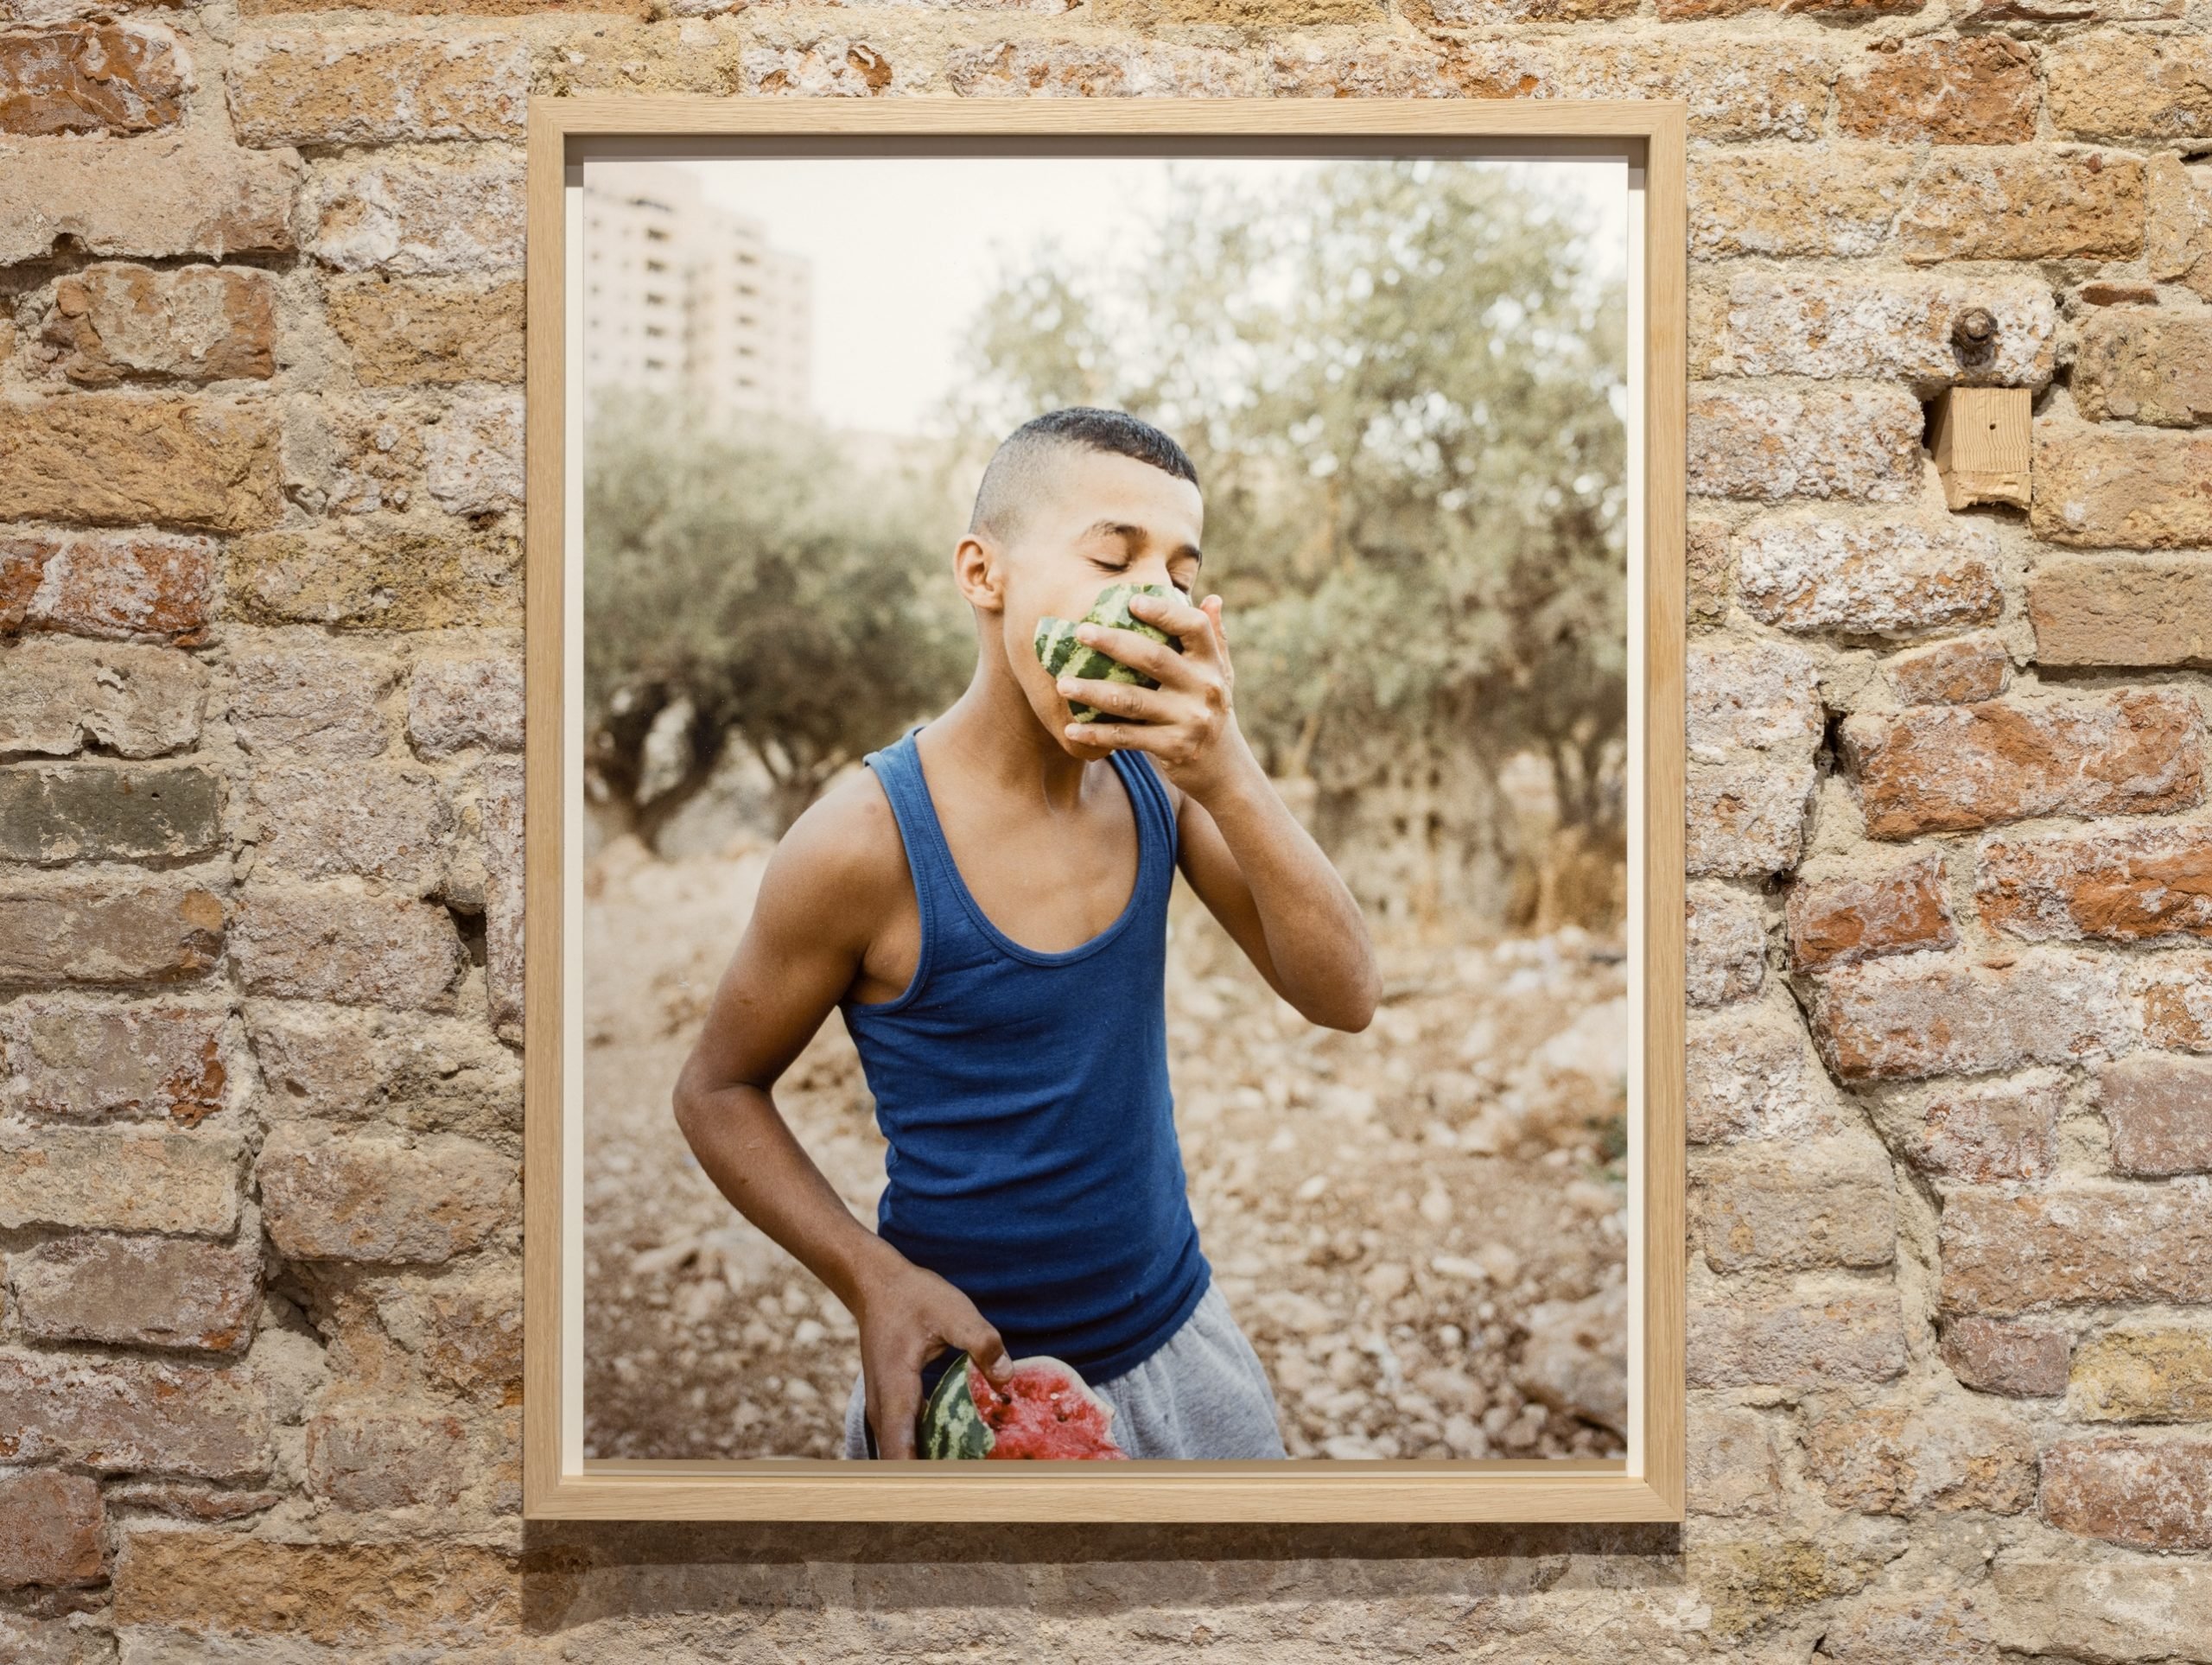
(979, 572)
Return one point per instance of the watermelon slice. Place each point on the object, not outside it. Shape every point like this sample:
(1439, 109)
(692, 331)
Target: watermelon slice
(1063, 655)
(1044, 1412)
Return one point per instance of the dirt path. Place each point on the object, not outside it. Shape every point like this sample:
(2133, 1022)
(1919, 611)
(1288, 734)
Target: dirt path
(1418, 1225)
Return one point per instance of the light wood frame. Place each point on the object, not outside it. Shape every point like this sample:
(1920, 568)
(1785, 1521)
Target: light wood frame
(557, 1482)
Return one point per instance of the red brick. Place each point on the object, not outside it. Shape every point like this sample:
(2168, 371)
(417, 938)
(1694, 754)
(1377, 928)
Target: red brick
(120, 586)
(101, 931)
(2024, 202)
(325, 943)
(1796, 199)
(56, 813)
(1963, 672)
(2159, 1111)
(1900, 1459)
(2173, 1000)
(321, 87)
(119, 322)
(370, 1457)
(2121, 610)
(2000, 1130)
(2132, 885)
(91, 1062)
(1917, 1015)
(1937, 768)
(147, 1291)
(2136, 489)
(52, 1529)
(115, 459)
(2004, 1253)
(2017, 1360)
(2147, 1494)
(133, 1416)
(355, 1198)
(1838, 921)
(189, 191)
(1979, 89)
(90, 77)
(1814, 1338)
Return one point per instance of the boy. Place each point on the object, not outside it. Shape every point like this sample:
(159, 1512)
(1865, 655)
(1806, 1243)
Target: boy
(986, 903)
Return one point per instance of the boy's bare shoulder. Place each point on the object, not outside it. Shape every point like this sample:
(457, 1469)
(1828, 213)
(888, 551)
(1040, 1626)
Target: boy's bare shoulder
(845, 845)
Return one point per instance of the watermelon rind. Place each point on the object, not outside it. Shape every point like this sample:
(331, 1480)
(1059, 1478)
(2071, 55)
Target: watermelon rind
(1062, 655)
(952, 1425)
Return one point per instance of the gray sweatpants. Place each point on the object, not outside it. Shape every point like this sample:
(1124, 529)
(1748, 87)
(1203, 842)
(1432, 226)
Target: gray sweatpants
(1204, 1395)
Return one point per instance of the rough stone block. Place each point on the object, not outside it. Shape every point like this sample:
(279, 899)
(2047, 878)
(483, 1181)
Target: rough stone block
(144, 1292)
(1781, 94)
(2130, 1609)
(2108, 487)
(429, 1074)
(466, 1334)
(1890, 327)
(187, 193)
(1712, 571)
(1924, 1627)
(110, 459)
(133, 1416)
(1799, 1340)
(323, 821)
(96, 932)
(2147, 1494)
(454, 705)
(2019, 1360)
(2172, 995)
(2029, 202)
(354, 1197)
(117, 322)
(2133, 364)
(1962, 672)
(96, 78)
(1746, 818)
(1795, 199)
(2142, 1375)
(52, 1529)
(2005, 1253)
(1952, 768)
(326, 88)
(54, 813)
(119, 586)
(1879, 577)
(2119, 83)
(2178, 236)
(1984, 1132)
(2158, 1108)
(1808, 1204)
(1725, 945)
(1838, 921)
(135, 702)
(1750, 1076)
(415, 216)
(74, 1060)
(1757, 695)
(473, 460)
(326, 943)
(120, 1179)
(372, 1456)
(500, 806)
(1902, 1458)
(1771, 444)
(350, 1595)
(2121, 610)
(2124, 883)
(1916, 1015)
(407, 330)
(312, 701)
(1734, 1462)
(1975, 90)
(382, 577)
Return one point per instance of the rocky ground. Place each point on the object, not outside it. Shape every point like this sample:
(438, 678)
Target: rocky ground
(1421, 1227)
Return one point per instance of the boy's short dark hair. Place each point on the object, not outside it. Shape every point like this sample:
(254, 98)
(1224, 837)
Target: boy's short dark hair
(1014, 466)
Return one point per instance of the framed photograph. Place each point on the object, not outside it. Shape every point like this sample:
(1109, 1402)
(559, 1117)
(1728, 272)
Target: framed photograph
(1104, 915)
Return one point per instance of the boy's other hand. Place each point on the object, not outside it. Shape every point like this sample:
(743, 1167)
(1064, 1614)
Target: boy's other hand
(1189, 723)
(907, 1316)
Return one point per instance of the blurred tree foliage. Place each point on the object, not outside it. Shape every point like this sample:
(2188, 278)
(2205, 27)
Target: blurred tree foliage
(759, 584)
(1403, 391)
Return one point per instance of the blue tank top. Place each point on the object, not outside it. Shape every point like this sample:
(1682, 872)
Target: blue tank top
(1033, 1161)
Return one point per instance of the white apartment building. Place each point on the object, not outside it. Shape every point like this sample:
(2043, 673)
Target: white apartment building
(686, 299)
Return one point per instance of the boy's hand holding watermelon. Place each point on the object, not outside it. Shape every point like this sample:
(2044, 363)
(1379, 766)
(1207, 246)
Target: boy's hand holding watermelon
(907, 1315)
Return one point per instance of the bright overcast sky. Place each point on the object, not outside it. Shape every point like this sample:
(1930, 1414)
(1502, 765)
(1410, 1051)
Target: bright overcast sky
(887, 330)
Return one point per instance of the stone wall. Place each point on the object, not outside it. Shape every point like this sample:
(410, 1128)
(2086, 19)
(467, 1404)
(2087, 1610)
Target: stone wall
(1951, 1098)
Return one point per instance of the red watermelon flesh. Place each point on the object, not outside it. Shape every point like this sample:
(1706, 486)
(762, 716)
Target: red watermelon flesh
(1045, 1411)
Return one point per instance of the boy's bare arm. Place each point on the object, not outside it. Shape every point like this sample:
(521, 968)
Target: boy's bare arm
(1255, 868)
(812, 924)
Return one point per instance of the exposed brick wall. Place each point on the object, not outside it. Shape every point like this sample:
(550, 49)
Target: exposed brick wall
(1949, 841)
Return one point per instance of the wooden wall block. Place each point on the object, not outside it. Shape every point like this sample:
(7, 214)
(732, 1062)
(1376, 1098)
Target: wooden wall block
(1981, 444)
